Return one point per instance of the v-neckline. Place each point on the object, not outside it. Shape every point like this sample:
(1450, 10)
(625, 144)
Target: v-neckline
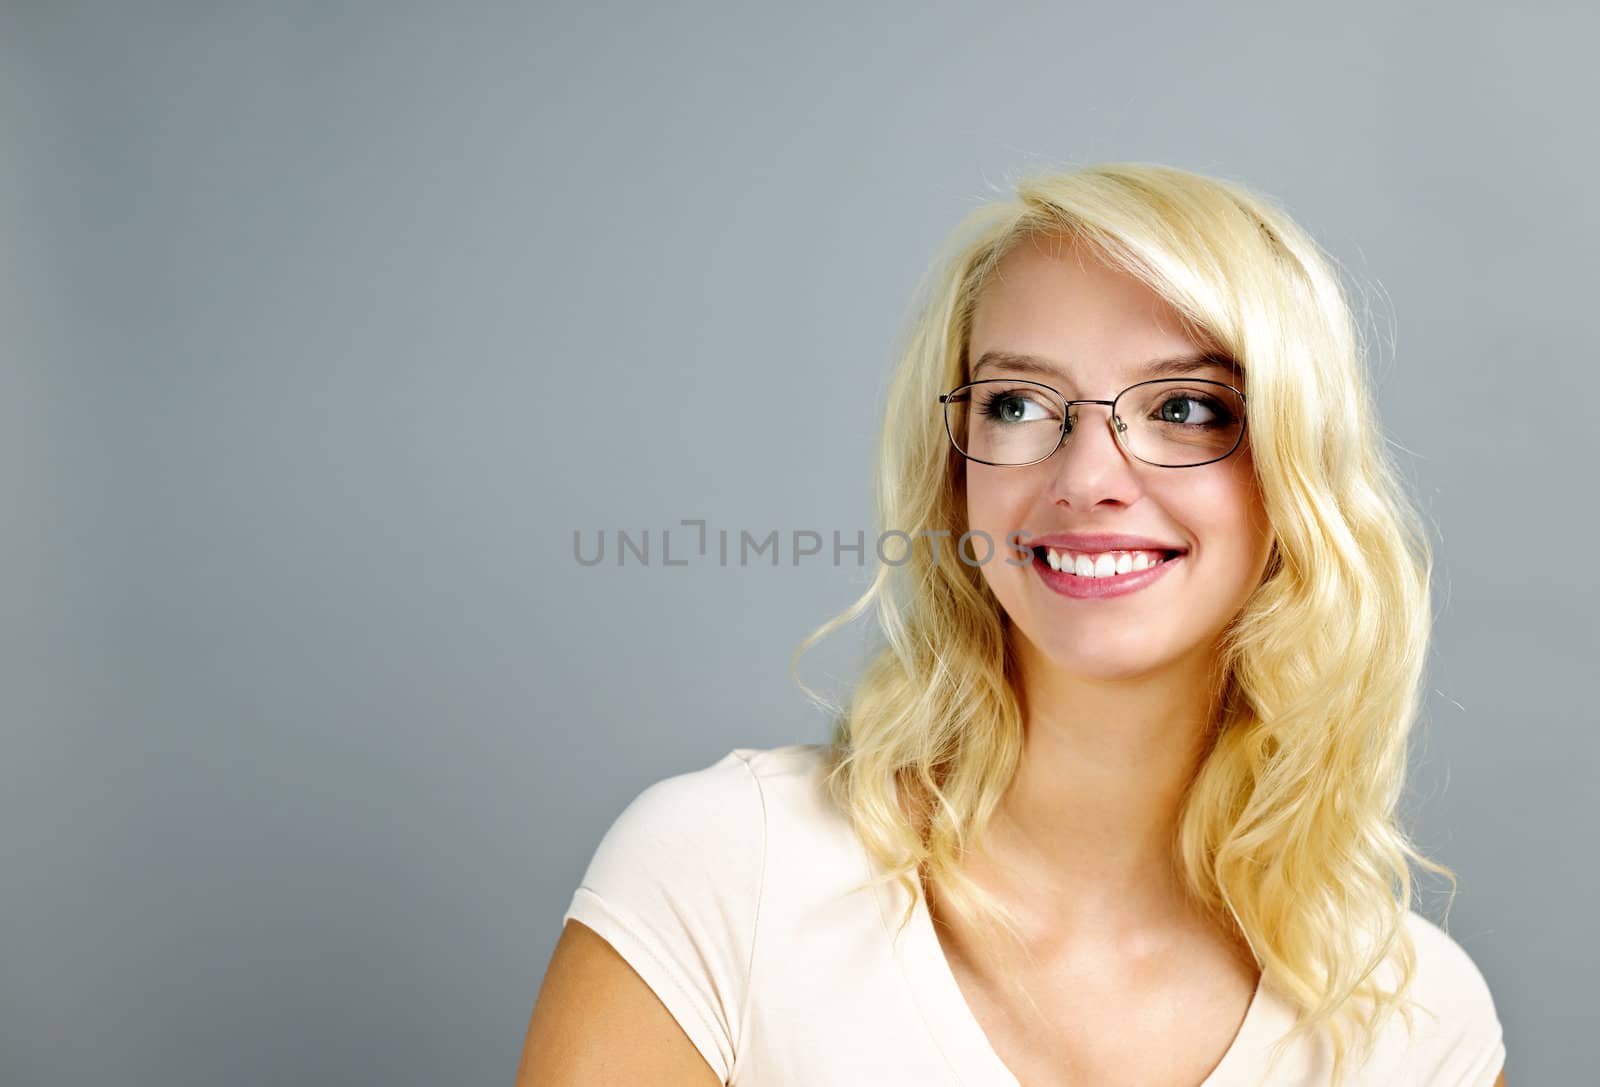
(961, 1038)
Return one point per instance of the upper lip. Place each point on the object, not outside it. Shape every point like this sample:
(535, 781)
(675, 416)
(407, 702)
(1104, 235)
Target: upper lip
(1096, 543)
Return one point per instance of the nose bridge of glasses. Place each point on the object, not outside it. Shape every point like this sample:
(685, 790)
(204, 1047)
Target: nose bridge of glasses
(1073, 410)
(1073, 438)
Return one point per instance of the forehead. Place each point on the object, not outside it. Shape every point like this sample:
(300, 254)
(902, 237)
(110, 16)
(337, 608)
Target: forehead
(1056, 311)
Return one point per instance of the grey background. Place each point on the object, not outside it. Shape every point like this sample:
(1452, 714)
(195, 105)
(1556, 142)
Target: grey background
(328, 325)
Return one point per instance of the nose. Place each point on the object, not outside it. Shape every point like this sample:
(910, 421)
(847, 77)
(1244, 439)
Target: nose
(1090, 466)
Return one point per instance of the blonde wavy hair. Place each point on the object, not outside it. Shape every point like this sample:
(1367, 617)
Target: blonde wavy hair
(1288, 836)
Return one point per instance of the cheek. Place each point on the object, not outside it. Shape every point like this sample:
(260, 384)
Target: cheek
(1228, 513)
(996, 507)
(990, 499)
(1244, 502)
(1221, 510)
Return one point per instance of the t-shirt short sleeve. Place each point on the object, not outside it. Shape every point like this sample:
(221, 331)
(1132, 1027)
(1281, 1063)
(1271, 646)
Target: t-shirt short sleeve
(1473, 1048)
(674, 887)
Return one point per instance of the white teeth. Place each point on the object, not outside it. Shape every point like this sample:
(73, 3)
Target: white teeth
(1106, 564)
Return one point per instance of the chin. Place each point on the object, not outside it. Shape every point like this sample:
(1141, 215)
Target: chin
(1108, 659)
(1111, 669)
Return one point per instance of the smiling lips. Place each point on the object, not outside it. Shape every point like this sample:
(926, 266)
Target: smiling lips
(1103, 564)
(1086, 576)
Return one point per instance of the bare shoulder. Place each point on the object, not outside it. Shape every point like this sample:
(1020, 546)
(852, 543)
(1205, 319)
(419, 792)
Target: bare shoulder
(596, 1022)
(1501, 1082)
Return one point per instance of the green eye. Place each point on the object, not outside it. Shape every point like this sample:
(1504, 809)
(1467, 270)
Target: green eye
(1190, 410)
(1010, 407)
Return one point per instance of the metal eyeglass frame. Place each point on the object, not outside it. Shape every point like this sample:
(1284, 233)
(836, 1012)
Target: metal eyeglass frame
(1112, 419)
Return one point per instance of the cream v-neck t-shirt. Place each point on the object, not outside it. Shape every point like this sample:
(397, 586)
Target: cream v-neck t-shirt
(728, 889)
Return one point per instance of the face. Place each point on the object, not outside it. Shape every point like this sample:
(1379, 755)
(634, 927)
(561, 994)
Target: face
(1097, 327)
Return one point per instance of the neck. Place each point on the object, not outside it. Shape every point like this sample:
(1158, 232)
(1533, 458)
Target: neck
(1086, 831)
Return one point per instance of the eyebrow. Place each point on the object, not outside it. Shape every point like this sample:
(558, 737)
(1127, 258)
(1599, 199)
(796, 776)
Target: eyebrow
(1172, 366)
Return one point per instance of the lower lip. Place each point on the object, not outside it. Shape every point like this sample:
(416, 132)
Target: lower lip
(1083, 588)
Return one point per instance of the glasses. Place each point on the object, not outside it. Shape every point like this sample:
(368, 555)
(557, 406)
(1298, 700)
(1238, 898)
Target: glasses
(1169, 422)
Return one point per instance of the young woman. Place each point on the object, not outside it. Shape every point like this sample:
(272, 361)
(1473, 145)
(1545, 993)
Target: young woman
(1116, 801)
